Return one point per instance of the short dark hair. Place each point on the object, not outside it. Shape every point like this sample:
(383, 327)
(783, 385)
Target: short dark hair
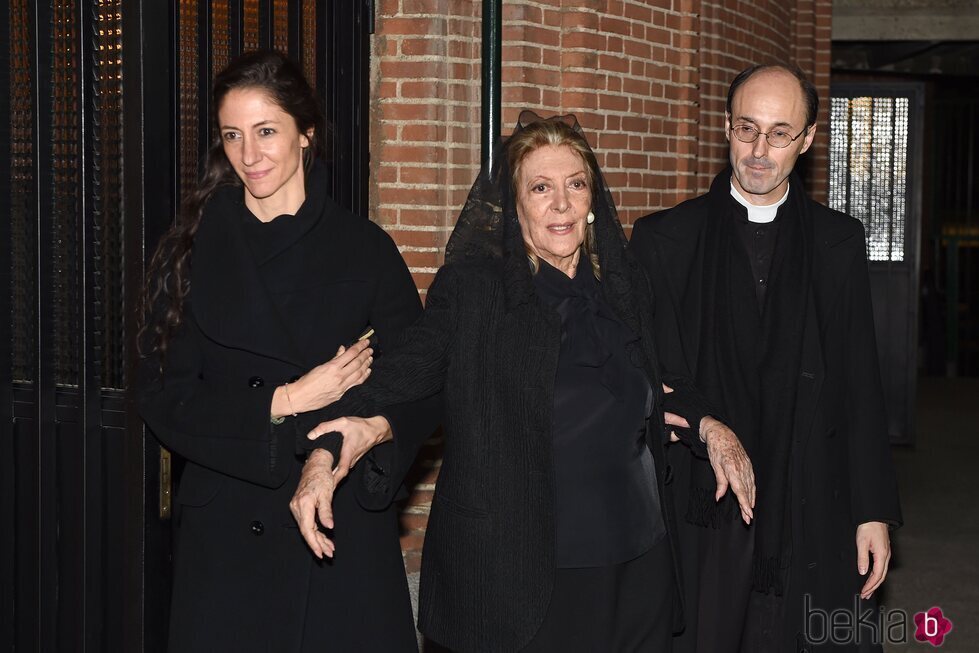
(809, 93)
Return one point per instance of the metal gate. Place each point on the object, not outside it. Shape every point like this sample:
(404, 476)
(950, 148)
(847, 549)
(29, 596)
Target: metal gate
(103, 117)
(875, 176)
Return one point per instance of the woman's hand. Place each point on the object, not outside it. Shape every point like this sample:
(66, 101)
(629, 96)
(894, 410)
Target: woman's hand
(314, 498)
(731, 464)
(673, 419)
(874, 539)
(360, 435)
(325, 383)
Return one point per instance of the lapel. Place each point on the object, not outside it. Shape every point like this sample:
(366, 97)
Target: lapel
(231, 303)
(832, 253)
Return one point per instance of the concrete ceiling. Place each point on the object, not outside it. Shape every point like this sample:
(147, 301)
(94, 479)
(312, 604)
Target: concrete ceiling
(958, 58)
(906, 20)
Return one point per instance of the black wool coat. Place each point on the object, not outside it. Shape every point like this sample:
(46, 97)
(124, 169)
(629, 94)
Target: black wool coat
(490, 345)
(841, 472)
(242, 574)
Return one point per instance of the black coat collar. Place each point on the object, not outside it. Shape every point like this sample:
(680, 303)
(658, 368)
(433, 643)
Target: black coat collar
(230, 301)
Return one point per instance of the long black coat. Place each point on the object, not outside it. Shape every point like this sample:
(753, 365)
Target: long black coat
(490, 345)
(242, 572)
(842, 474)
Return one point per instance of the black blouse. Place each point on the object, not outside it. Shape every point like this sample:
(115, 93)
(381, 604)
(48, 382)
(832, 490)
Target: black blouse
(607, 505)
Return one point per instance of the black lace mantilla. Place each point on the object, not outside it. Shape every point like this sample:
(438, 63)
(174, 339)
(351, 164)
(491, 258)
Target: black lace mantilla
(488, 229)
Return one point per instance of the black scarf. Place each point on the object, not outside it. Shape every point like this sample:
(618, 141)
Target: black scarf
(749, 363)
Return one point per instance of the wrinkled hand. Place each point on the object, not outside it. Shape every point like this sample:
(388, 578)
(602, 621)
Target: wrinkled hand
(873, 538)
(731, 464)
(326, 383)
(314, 498)
(360, 435)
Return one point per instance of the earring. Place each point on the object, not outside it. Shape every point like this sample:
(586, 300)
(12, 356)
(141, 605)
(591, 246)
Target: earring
(591, 218)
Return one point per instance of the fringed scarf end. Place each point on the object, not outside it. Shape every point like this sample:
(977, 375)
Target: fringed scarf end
(703, 510)
(767, 576)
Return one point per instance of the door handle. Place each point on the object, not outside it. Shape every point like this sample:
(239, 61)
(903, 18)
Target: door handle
(166, 483)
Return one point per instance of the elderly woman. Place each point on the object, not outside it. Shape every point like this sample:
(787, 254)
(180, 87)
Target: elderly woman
(552, 523)
(252, 296)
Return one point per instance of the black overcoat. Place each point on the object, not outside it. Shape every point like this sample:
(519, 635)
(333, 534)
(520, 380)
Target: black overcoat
(490, 345)
(242, 572)
(842, 473)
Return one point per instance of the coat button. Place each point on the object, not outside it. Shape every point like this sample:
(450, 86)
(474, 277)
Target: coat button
(256, 382)
(258, 527)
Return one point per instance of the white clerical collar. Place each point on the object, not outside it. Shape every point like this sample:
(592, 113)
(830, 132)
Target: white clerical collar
(759, 213)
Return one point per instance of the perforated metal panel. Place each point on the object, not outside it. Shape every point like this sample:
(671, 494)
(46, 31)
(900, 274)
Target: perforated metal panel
(108, 224)
(251, 37)
(220, 35)
(280, 28)
(309, 41)
(66, 194)
(187, 95)
(23, 219)
(868, 169)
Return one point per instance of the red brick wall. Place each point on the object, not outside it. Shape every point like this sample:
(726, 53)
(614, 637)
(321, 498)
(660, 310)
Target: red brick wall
(734, 35)
(647, 80)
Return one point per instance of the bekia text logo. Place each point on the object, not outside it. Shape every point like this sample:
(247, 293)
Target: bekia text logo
(931, 626)
(861, 623)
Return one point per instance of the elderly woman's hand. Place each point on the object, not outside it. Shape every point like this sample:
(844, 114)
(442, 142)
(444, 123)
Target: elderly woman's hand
(360, 435)
(731, 464)
(314, 498)
(325, 383)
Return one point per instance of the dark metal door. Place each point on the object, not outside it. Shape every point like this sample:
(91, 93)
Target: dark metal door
(103, 121)
(875, 176)
(954, 234)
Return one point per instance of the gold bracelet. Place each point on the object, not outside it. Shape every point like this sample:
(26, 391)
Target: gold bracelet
(289, 400)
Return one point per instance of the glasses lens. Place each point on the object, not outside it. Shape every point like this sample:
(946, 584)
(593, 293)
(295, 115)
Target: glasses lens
(746, 134)
(779, 138)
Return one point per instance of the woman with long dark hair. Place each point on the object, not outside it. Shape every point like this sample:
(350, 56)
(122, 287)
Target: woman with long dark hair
(254, 303)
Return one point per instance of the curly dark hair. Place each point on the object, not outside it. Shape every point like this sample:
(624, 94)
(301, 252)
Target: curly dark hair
(168, 273)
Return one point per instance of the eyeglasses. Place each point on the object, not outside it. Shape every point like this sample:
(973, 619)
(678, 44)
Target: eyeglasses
(776, 137)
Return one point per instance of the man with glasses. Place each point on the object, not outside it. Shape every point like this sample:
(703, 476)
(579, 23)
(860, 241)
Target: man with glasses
(763, 295)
